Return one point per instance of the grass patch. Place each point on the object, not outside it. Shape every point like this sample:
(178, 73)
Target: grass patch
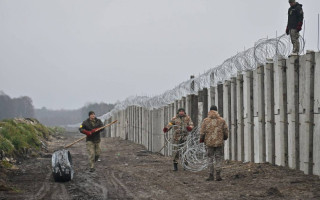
(5, 164)
(18, 135)
(6, 145)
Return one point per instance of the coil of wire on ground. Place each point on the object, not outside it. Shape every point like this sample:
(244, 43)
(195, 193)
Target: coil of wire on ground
(192, 153)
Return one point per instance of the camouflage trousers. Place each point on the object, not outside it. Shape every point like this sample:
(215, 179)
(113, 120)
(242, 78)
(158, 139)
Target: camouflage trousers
(215, 158)
(94, 151)
(176, 153)
(294, 35)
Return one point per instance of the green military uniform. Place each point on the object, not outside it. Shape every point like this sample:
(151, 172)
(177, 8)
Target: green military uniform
(93, 141)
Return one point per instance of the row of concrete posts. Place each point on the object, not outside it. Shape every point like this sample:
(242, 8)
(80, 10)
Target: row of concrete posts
(273, 114)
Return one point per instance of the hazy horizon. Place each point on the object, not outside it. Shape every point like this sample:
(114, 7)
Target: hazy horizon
(64, 54)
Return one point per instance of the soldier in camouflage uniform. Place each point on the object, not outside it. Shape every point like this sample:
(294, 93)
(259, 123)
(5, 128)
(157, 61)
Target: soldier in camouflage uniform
(213, 132)
(90, 128)
(181, 125)
(295, 21)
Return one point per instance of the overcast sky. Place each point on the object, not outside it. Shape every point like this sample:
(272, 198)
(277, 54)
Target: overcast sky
(65, 53)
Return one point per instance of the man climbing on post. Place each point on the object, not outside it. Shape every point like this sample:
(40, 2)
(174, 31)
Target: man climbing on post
(295, 21)
(213, 132)
(182, 124)
(90, 128)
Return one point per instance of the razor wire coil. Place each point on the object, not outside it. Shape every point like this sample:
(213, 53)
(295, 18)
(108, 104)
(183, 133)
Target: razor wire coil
(193, 154)
(263, 50)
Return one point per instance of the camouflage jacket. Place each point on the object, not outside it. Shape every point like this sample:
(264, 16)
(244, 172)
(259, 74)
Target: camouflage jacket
(179, 125)
(214, 130)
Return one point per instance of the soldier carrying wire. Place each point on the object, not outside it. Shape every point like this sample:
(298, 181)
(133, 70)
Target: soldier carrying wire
(181, 124)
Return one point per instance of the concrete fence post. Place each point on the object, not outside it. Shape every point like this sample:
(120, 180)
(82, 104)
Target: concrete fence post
(183, 102)
(200, 106)
(150, 128)
(131, 127)
(270, 117)
(126, 118)
(157, 136)
(164, 121)
(171, 114)
(227, 117)
(205, 103)
(283, 127)
(138, 125)
(316, 112)
(188, 105)
(261, 115)
(212, 97)
(234, 123)
(257, 138)
(249, 113)
(306, 108)
(240, 117)
(194, 109)
(133, 123)
(114, 128)
(219, 99)
(293, 111)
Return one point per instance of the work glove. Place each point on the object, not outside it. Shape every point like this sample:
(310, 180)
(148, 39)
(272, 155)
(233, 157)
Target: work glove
(287, 31)
(88, 133)
(299, 27)
(189, 128)
(201, 140)
(94, 130)
(165, 129)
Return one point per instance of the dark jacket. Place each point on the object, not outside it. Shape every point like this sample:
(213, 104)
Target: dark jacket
(89, 125)
(295, 15)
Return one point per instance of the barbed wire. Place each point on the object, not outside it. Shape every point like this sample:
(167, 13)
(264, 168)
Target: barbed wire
(250, 59)
(193, 154)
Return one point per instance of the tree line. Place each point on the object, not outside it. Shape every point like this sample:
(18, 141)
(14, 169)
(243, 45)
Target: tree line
(65, 117)
(23, 107)
(15, 107)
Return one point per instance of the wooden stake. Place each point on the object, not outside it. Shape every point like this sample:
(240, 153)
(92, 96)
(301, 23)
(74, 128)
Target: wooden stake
(69, 145)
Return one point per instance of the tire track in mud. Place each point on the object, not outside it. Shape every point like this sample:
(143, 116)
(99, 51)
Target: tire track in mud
(120, 188)
(85, 185)
(42, 192)
(128, 171)
(50, 189)
(101, 184)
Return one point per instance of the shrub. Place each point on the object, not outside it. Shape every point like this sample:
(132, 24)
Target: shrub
(16, 136)
(6, 145)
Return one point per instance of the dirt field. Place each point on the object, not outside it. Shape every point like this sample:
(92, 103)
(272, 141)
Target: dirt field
(128, 171)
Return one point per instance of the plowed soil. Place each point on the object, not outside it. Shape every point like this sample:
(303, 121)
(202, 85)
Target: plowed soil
(129, 171)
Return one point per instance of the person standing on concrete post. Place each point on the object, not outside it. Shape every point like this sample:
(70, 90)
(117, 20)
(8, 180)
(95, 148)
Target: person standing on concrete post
(213, 132)
(90, 127)
(181, 124)
(295, 21)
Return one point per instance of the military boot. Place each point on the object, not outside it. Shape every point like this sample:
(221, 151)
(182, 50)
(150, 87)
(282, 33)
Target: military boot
(211, 178)
(218, 175)
(175, 166)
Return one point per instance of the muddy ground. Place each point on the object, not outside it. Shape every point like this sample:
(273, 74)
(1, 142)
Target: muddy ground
(128, 171)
